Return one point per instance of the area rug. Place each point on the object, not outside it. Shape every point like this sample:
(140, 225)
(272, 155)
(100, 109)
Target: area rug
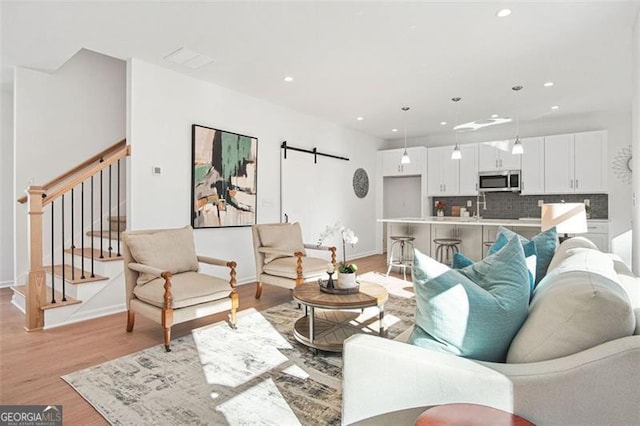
(257, 374)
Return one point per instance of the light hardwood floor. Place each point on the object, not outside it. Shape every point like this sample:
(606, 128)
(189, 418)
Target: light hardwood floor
(31, 363)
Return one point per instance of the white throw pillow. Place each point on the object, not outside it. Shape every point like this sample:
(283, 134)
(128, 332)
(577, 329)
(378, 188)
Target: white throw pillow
(579, 304)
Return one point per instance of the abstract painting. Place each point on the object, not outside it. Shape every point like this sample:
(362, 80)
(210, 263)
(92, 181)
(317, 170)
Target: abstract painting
(224, 178)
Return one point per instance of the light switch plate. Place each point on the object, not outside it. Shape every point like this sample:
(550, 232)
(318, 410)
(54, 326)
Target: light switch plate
(469, 204)
(540, 203)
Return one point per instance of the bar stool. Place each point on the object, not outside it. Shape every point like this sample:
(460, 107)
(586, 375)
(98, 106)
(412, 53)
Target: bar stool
(487, 245)
(401, 254)
(445, 248)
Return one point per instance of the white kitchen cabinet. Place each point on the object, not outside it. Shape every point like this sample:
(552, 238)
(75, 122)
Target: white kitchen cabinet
(532, 178)
(443, 172)
(558, 164)
(392, 166)
(575, 163)
(590, 157)
(598, 232)
(496, 155)
(468, 170)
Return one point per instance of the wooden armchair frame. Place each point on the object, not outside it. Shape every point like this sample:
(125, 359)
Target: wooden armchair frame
(167, 311)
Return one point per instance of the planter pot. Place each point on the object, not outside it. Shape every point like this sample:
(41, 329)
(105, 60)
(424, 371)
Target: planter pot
(346, 280)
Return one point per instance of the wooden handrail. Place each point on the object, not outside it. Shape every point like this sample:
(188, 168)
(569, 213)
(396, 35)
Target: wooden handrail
(113, 148)
(86, 174)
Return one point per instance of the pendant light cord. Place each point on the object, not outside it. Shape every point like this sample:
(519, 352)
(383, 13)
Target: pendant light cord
(516, 89)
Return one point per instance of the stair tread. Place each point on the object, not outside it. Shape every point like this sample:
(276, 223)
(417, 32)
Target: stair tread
(105, 234)
(96, 254)
(78, 273)
(22, 290)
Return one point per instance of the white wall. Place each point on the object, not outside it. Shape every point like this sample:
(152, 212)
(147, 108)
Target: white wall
(6, 189)
(618, 124)
(164, 105)
(61, 119)
(636, 148)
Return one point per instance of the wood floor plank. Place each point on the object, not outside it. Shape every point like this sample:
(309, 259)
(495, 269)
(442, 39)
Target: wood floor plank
(31, 363)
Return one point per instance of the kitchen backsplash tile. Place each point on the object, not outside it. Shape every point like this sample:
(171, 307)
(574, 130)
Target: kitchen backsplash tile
(511, 205)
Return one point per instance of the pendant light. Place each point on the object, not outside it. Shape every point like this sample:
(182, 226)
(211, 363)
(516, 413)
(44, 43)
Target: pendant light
(405, 156)
(456, 154)
(517, 149)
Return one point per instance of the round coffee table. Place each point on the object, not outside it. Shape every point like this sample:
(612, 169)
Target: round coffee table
(331, 318)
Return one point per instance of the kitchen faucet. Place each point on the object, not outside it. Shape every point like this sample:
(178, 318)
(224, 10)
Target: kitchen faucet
(482, 195)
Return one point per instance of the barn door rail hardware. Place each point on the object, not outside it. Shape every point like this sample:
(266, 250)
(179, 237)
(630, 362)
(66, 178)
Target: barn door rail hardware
(313, 151)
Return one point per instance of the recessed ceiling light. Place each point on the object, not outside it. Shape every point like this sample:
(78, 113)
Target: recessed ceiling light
(288, 79)
(494, 115)
(443, 123)
(503, 13)
(394, 130)
(548, 84)
(188, 58)
(555, 107)
(359, 118)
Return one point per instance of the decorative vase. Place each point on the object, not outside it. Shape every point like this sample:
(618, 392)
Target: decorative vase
(346, 280)
(440, 212)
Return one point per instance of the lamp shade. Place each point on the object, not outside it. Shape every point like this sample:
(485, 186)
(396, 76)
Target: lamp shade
(568, 218)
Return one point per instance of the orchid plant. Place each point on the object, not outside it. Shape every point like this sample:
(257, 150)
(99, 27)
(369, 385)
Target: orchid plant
(348, 237)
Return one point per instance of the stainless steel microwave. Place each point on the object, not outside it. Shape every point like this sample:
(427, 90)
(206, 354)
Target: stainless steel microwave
(506, 180)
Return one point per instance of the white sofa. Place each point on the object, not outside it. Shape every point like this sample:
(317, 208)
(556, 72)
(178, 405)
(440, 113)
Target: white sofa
(392, 382)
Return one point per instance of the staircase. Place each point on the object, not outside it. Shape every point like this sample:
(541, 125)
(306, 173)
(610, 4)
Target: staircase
(87, 295)
(83, 276)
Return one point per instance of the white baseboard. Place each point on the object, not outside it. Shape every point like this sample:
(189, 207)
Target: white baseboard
(4, 284)
(95, 313)
(17, 304)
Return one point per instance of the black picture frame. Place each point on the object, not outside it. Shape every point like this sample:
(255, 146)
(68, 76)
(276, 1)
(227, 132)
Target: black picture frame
(224, 178)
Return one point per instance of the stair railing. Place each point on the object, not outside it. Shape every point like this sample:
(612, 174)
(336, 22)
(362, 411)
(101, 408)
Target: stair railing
(39, 197)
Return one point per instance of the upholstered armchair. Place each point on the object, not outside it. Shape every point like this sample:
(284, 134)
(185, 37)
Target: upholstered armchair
(163, 282)
(281, 256)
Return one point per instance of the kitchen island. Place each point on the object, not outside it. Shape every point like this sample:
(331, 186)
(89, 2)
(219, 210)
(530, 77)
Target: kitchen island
(472, 231)
(475, 232)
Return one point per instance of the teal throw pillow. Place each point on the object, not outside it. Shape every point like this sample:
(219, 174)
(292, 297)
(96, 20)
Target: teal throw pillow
(530, 254)
(473, 312)
(460, 261)
(546, 243)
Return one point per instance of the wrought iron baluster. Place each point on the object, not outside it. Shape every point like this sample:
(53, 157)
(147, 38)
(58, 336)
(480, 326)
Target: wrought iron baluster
(73, 246)
(101, 215)
(109, 212)
(118, 204)
(64, 299)
(92, 248)
(82, 229)
(53, 275)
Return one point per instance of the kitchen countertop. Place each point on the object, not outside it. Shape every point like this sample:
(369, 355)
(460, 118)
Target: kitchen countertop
(455, 220)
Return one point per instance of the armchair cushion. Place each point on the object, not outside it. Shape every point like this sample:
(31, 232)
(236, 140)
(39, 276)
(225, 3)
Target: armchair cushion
(285, 237)
(187, 289)
(171, 250)
(475, 311)
(579, 305)
(286, 267)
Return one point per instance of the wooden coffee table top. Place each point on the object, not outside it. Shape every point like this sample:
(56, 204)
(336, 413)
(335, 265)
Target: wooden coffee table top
(370, 294)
